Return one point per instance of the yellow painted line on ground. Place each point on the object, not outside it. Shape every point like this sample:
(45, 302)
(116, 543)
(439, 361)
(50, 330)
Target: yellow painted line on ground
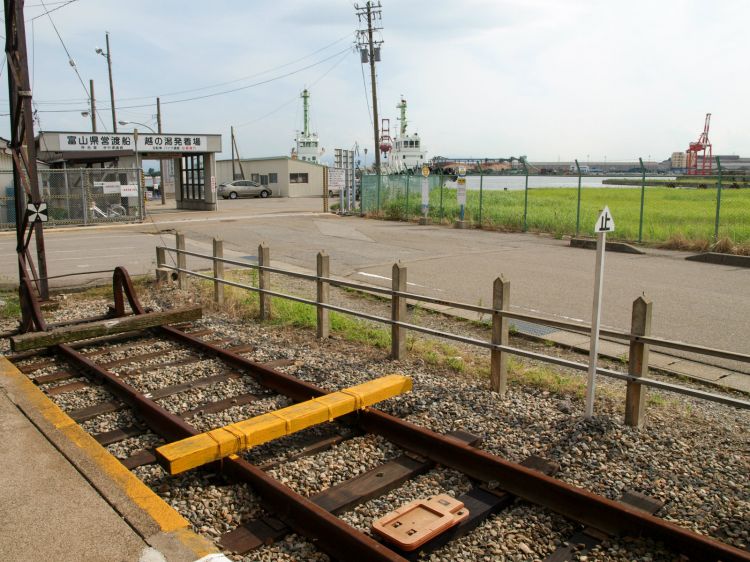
(168, 520)
(216, 444)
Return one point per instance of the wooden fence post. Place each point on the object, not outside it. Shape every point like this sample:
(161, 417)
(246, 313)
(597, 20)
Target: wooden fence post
(218, 271)
(181, 261)
(323, 270)
(500, 328)
(162, 273)
(398, 312)
(264, 281)
(635, 393)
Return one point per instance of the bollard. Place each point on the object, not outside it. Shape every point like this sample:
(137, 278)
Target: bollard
(218, 271)
(181, 261)
(398, 312)
(635, 393)
(264, 281)
(500, 328)
(323, 270)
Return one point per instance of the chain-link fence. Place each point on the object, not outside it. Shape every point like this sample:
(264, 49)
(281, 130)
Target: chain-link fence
(677, 211)
(81, 196)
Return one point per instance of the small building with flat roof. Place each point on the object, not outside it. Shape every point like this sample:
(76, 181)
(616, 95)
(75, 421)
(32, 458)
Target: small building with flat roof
(284, 176)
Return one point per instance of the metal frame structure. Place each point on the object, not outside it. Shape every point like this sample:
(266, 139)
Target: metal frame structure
(701, 145)
(23, 151)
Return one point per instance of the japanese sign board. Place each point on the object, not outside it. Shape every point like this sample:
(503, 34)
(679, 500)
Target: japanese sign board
(213, 184)
(461, 191)
(129, 190)
(426, 171)
(171, 143)
(462, 171)
(146, 142)
(605, 222)
(108, 187)
(336, 179)
(37, 212)
(425, 193)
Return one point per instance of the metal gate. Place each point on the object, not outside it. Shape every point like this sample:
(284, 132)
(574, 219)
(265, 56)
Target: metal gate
(81, 196)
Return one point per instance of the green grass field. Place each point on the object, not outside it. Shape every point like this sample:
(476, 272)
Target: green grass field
(670, 215)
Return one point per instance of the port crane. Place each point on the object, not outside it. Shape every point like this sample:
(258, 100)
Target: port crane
(702, 145)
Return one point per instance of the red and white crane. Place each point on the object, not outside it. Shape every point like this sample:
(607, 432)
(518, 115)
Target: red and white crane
(702, 145)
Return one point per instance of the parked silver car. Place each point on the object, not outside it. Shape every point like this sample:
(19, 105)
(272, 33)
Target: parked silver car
(243, 188)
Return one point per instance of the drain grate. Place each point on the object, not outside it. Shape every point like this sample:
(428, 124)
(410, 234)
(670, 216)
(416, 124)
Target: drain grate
(532, 329)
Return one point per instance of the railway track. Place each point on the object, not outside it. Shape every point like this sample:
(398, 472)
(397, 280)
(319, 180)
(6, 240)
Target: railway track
(136, 391)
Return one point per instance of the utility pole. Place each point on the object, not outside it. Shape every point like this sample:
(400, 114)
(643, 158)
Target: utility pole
(370, 52)
(111, 86)
(162, 191)
(23, 151)
(93, 106)
(232, 141)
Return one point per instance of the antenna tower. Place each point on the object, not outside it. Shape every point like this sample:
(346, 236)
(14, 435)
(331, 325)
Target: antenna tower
(402, 106)
(305, 95)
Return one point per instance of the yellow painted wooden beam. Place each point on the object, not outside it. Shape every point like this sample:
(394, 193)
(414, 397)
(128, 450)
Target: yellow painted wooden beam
(218, 443)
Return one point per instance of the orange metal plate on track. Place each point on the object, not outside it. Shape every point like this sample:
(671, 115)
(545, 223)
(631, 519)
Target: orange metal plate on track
(415, 523)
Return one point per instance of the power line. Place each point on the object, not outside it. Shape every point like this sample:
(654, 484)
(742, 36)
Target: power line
(233, 90)
(286, 103)
(71, 101)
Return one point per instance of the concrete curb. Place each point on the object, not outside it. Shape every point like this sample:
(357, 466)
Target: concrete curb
(721, 259)
(590, 244)
(152, 518)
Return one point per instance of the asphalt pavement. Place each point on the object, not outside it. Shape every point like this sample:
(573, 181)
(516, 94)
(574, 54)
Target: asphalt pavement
(699, 303)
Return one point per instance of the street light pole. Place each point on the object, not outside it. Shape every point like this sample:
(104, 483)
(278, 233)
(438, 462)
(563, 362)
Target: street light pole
(93, 106)
(123, 123)
(111, 86)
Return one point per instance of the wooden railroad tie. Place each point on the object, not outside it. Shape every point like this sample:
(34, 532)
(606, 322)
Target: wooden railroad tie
(65, 334)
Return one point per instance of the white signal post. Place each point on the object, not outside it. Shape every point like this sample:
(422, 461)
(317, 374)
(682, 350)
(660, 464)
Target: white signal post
(605, 223)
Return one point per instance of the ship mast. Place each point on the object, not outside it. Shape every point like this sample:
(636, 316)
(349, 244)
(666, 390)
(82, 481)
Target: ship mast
(402, 107)
(305, 95)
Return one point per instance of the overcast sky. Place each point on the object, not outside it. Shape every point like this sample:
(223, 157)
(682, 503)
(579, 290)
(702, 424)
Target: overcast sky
(545, 78)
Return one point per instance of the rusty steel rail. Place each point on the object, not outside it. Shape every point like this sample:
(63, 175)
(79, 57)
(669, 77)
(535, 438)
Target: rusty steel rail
(575, 503)
(341, 540)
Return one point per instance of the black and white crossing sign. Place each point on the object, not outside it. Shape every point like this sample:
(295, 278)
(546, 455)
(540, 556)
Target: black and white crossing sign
(37, 212)
(605, 222)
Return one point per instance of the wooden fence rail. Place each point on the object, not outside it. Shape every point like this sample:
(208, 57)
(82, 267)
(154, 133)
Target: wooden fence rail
(638, 338)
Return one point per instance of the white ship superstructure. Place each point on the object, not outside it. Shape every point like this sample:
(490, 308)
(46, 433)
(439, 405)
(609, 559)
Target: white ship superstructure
(307, 144)
(407, 150)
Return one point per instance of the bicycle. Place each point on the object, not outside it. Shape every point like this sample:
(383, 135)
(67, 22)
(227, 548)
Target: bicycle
(113, 211)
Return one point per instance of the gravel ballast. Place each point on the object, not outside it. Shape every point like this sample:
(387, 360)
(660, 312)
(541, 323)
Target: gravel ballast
(692, 455)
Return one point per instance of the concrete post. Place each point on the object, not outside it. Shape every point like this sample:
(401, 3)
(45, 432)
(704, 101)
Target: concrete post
(635, 393)
(181, 261)
(218, 271)
(162, 273)
(398, 312)
(323, 270)
(500, 329)
(264, 281)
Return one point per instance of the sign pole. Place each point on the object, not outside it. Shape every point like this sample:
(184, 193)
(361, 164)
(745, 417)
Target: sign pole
(604, 224)
(601, 241)
(425, 193)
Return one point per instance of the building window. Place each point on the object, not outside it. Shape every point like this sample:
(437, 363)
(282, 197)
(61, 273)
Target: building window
(297, 178)
(273, 178)
(255, 177)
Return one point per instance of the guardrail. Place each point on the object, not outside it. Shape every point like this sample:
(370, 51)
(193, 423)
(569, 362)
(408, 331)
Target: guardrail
(639, 338)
